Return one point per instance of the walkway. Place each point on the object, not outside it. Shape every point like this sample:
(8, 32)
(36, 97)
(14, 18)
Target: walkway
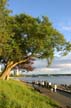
(63, 98)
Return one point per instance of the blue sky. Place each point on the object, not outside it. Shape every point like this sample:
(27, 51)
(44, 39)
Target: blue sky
(58, 11)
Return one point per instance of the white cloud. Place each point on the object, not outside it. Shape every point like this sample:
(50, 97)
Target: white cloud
(67, 28)
(65, 25)
(65, 65)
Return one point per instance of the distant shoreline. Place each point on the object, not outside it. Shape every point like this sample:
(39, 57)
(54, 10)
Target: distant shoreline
(37, 75)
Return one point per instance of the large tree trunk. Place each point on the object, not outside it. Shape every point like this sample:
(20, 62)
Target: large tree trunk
(5, 74)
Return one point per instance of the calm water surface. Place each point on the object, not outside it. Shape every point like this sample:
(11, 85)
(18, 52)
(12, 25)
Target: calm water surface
(52, 79)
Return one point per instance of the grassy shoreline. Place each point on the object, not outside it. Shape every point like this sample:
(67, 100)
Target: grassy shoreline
(15, 94)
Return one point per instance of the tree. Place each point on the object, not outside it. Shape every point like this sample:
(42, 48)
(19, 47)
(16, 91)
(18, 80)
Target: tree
(53, 41)
(25, 37)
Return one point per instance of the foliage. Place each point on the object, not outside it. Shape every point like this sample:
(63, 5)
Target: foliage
(14, 94)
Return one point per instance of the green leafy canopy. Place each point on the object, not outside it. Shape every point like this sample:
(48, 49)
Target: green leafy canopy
(23, 34)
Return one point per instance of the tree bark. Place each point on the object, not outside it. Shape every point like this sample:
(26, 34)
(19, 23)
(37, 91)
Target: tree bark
(5, 74)
(6, 71)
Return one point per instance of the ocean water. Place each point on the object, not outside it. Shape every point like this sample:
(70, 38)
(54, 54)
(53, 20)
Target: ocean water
(52, 79)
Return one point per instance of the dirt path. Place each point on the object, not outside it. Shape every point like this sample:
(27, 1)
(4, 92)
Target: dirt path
(63, 98)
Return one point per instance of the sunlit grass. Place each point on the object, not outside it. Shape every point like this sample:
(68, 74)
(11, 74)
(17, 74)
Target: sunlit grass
(15, 94)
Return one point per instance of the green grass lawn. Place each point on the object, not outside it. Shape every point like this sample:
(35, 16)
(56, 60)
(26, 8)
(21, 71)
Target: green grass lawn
(15, 94)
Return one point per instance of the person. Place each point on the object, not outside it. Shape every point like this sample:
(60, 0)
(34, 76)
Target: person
(33, 83)
(49, 83)
(49, 86)
(42, 83)
(51, 89)
(55, 87)
(45, 84)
